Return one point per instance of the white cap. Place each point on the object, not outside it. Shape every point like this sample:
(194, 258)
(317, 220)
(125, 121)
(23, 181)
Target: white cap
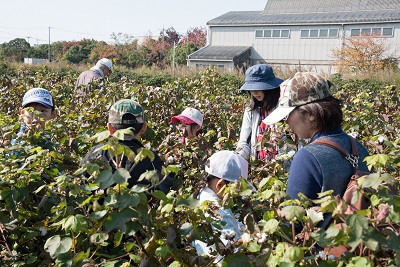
(38, 95)
(105, 62)
(189, 116)
(227, 165)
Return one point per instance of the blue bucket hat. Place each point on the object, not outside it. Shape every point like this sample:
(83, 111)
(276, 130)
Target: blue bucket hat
(261, 77)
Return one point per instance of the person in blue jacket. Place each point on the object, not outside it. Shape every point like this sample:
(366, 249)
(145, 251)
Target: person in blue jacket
(313, 113)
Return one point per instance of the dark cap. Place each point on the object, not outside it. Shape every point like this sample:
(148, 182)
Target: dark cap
(261, 77)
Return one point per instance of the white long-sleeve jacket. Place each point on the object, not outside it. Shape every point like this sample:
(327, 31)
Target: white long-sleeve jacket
(250, 126)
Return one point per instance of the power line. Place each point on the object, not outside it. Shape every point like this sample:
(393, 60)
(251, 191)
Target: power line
(80, 32)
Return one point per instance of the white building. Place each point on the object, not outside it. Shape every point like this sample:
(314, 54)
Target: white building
(297, 33)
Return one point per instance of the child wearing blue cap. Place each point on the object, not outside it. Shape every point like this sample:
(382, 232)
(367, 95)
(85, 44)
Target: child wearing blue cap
(41, 101)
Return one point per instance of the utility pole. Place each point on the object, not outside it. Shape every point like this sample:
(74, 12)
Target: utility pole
(173, 59)
(49, 45)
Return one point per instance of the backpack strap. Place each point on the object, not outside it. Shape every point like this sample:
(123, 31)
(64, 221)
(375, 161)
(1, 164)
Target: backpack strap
(352, 158)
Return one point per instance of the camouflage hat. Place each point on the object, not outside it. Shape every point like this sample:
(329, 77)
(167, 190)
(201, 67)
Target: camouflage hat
(301, 89)
(126, 106)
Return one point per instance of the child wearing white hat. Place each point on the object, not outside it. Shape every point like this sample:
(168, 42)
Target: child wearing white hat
(222, 168)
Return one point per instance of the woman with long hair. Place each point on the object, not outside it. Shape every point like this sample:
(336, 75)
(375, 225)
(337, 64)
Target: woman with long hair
(263, 88)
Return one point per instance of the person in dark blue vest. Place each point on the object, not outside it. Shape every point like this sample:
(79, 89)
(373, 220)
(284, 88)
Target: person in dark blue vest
(310, 110)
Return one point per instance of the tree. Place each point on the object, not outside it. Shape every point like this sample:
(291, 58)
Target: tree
(16, 50)
(197, 36)
(40, 51)
(80, 52)
(181, 53)
(361, 54)
(171, 36)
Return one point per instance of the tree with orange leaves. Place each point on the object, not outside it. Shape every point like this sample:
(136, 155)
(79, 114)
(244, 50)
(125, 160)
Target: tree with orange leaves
(361, 54)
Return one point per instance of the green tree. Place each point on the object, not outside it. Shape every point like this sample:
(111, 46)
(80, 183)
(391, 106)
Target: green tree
(80, 52)
(181, 53)
(40, 51)
(16, 50)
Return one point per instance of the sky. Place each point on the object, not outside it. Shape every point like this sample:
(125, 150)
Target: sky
(59, 20)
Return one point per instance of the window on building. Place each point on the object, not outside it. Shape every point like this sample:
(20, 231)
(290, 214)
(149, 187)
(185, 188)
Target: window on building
(375, 32)
(387, 32)
(355, 32)
(267, 33)
(219, 66)
(323, 33)
(274, 33)
(333, 33)
(319, 33)
(259, 33)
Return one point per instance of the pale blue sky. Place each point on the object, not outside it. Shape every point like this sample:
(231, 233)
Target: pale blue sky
(77, 19)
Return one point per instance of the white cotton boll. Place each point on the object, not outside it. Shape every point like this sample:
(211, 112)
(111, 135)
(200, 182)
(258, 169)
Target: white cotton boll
(43, 230)
(261, 238)
(171, 159)
(246, 238)
(354, 134)
(381, 139)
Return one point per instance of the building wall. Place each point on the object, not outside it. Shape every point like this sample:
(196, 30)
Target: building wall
(294, 51)
(225, 65)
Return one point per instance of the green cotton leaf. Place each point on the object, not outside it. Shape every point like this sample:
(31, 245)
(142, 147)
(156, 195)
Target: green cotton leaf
(170, 169)
(118, 238)
(396, 204)
(359, 262)
(263, 182)
(120, 134)
(189, 202)
(175, 264)
(372, 181)
(253, 246)
(163, 251)
(269, 215)
(160, 195)
(125, 200)
(132, 228)
(149, 176)
(98, 238)
(111, 264)
(97, 215)
(271, 226)
(294, 254)
(315, 216)
(357, 223)
(101, 136)
(376, 160)
(143, 153)
(118, 220)
(75, 224)
(167, 208)
(121, 176)
(56, 246)
(291, 213)
(372, 244)
(104, 178)
(237, 260)
(249, 223)
(129, 154)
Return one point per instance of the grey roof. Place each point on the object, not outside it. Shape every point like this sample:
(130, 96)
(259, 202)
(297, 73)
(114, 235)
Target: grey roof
(313, 6)
(219, 52)
(293, 12)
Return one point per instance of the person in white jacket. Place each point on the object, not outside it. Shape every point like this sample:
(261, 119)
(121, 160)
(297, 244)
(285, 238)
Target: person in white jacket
(263, 88)
(222, 168)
